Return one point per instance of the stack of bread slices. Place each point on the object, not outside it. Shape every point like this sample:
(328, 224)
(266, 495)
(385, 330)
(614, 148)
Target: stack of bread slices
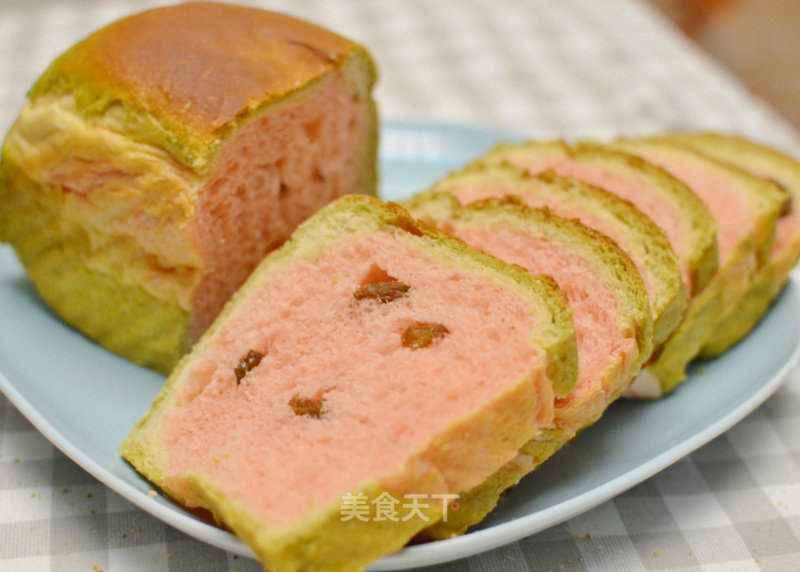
(445, 347)
(704, 223)
(386, 364)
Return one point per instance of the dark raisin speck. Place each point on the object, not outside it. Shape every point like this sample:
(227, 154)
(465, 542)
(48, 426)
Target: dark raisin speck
(382, 291)
(306, 406)
(423, 334)
(247, 363)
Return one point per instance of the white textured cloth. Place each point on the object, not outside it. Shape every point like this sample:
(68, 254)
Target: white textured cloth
(537, 68)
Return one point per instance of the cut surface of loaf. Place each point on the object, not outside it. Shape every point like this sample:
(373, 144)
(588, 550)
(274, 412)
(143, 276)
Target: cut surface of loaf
(682, 216)
(632, 230)
(367, 359)
(159, 159)
(769, 280)
(611, 313)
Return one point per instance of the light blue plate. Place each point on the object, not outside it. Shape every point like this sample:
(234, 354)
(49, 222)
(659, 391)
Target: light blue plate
(85, 400)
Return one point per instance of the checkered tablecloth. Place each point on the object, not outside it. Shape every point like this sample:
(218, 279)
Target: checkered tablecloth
(539, 68)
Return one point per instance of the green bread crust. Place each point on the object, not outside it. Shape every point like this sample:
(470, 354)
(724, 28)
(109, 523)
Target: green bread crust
(770, 279)
(646, 243)
(322, 540)
(701, 255)
(699, 324)
(478, 502)
(323, 543)
(443, 209)
(107, 281)
(748, 313)
(122, 317)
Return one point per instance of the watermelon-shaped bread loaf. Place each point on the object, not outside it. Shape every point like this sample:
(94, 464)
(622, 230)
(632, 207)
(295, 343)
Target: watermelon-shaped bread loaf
(159, 160)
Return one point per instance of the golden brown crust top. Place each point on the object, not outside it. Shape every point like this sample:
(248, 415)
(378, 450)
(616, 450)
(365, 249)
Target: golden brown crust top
(195, 67)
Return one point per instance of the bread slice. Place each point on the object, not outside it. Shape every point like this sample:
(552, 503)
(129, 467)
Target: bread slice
(632, 230)
(159, 159)
(768, 280)
(368, 358)
(746, 209)
(611, 314)
(669, 203)
(686, 221)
